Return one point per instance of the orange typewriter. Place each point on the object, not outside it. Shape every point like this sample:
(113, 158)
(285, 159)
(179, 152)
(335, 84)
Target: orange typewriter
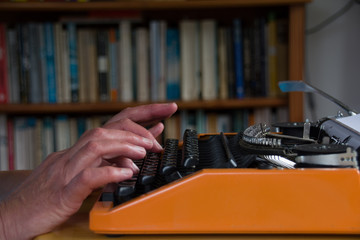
(287, 178)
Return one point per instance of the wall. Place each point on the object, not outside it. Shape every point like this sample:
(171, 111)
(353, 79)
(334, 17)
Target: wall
(332, 57)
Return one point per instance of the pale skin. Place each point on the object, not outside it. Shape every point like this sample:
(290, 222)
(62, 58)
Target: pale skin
(56, 189)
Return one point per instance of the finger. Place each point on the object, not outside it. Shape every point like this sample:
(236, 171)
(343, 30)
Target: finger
(128, 125)
(123, 162)
(147, 114)
(103, 134)
(93, 153)
(157, 129)
(89, 179)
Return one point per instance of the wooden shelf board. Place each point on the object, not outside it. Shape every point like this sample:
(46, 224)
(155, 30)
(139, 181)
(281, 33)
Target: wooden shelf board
(97, 108)
(139, 4)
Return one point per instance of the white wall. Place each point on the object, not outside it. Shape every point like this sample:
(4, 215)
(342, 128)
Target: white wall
(332, 57)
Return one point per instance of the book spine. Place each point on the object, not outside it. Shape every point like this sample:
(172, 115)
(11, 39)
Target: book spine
(4, 156)
(23, 35)
(113, 65)
(34, 57)
(209, 60)
(13, 66)
(238, 59)
(173, 64)
(73, 61)
(58, 62)
(10, 143)
(50, 62)
(142, 61)
(3, 65)
(102, 63)
(43, 64)
(48, 136)
(223, 64)
(162, 61)
(189, 48)
(126, 59)
(272, 55)
(155, 59)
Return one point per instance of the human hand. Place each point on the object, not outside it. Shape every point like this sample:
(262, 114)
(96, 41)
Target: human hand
(56, 189)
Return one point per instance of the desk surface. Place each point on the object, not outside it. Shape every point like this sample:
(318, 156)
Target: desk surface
(77, 227)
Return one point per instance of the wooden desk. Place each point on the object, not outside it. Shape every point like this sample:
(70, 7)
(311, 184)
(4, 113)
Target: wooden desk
(77, 227)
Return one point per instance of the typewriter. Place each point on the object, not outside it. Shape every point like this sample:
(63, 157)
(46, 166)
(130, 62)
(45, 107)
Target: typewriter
(287, 178)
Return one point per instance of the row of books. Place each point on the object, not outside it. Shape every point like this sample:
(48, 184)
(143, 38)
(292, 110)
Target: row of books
(26, 141)
(129, 60)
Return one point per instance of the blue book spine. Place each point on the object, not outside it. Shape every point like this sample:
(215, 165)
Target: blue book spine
(238, 59)
(50, 61)
(73, 59)
(173, 61)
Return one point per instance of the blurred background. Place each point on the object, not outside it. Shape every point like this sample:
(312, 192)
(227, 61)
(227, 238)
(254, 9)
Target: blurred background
(332, 58)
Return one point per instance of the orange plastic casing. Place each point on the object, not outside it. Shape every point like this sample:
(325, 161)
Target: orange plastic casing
(241, 201)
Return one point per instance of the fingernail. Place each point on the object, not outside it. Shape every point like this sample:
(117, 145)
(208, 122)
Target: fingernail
(158, 145)
(126, 171)
(147, 141)
(136, 168)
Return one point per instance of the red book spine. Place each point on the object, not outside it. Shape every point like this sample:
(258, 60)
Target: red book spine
(3, 65)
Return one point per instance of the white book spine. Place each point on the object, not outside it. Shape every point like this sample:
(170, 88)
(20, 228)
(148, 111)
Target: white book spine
(189, 60)
(126, 78)
(208, 60)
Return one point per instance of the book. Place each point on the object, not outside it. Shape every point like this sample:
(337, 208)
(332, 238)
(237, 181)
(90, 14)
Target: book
(209, 80)
(142, 64)
(43, 64)
(158, 58)
(62, 132)
(223, 64)
(190, 60)
(10, 143)
(113, 64)
(282, 32)
(102, 43)
(4, 156)
(238, 58)
(126, 60)
(12, 46)
(48, 136)
(24, 56)
(50, 62)
(3, 65)
(35, 76)
(272, 55)
(162, 62)
(73, 61)
(173, 64)
(21, 158)
(88, 65)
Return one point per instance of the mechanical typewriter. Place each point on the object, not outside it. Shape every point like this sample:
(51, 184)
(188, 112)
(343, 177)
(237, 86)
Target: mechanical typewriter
(285, 178)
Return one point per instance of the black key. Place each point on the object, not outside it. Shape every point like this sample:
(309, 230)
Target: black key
(190, 150)
(169, 159)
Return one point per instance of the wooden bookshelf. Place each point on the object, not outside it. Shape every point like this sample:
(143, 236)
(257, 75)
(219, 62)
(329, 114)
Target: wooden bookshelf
(87, 108)
(296, 11)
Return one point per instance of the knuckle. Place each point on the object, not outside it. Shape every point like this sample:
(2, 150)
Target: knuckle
(93, 146)
(98, 132)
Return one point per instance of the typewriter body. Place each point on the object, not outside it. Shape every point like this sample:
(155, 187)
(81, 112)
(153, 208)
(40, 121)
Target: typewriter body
(287, 178)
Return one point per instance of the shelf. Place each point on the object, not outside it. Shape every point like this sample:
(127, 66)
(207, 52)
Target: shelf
(138, 4)
(96, 108)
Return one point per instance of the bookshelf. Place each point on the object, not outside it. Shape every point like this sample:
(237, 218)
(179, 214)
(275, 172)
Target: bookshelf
(171, 11)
